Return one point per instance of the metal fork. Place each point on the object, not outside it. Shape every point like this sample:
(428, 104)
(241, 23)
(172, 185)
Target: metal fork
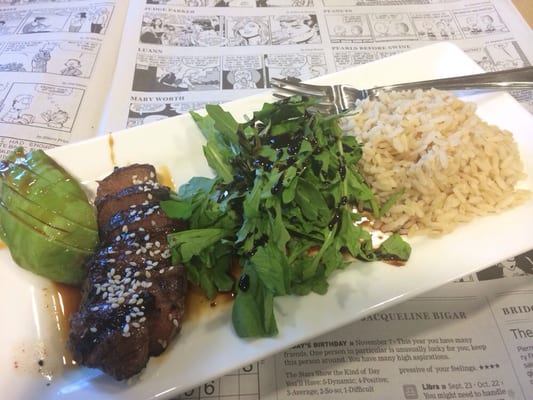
(341, 97)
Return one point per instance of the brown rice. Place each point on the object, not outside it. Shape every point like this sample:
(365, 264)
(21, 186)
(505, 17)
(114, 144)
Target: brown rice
(451, 165)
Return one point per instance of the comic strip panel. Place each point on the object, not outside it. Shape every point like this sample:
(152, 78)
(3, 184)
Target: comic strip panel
(295, 29)
(185, 31)
(68, 58)
(436, 26)
(302, 66)
(234, 3)
(90, 19)
(243, 72)
(176, 74)
(392, 26)
(349, 28)
(499, 56)
(10, 20)
(481, 21)
(248, 31)
(519, 266)
(41, 105)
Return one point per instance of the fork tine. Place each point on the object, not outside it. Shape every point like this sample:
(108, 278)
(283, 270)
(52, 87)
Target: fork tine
(299, 88)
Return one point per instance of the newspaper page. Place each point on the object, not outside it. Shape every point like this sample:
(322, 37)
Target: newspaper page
(180, 54)
(468, 339)
(54, 69)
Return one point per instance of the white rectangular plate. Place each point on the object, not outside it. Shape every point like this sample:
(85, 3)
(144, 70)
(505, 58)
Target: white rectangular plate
(207, 347)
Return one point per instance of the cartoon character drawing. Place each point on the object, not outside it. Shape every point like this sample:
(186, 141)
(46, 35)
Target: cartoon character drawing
(244, 79)
(39, 62)
(99, 20)
(15, 115)
(250, 32)
(72, 67)
(56, 119)
(297, 30)
(36, 26)
(12, 67)
(511, 267)
(77, 22)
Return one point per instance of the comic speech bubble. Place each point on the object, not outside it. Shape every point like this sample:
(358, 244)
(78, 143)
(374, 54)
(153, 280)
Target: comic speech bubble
(53, 90)
(244, 62)
(349, 19)
(200, 62)
(286, 60)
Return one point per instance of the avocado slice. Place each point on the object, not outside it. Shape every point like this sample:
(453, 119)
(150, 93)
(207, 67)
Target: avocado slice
(49, 222)
(54, 192)
(41, 255)
(46, 219)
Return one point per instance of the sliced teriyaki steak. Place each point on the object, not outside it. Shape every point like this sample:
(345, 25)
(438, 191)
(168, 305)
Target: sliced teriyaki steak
(133, 298)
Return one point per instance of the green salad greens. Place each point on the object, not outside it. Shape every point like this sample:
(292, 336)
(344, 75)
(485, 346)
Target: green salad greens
(281, 203)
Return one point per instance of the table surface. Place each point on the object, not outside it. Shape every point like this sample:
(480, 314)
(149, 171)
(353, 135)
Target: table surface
(526, 9)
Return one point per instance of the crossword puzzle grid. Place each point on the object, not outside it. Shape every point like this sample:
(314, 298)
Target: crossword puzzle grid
(242, 384)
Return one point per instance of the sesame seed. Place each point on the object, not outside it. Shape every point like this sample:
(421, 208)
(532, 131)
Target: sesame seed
(93, 329)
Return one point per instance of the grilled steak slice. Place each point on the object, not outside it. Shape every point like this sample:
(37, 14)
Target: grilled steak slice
(133, 298)
(124, 177)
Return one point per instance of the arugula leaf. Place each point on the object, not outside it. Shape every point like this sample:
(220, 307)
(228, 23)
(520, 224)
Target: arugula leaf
(281, 205)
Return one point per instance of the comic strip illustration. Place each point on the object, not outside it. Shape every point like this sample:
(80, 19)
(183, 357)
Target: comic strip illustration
(436, 26)
(234, 3)
(24, 2)
(184, 31)
(176, 74)
(392, 26)
(160, 76)
(484, 21)
(221, 31)
(349, 28)
(67, 58)
(90, 19)
(154, 73)
(499, 56)
(243, 72)
(302, 66)
(519, 266)
(10, 20)
(248, 31)
(41, 105)
(295, 29)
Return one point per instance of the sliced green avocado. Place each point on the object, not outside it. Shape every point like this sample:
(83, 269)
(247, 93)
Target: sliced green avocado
(40, 255)
(49, 222)
(39, 165)
(46, 219)
(52, 191)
